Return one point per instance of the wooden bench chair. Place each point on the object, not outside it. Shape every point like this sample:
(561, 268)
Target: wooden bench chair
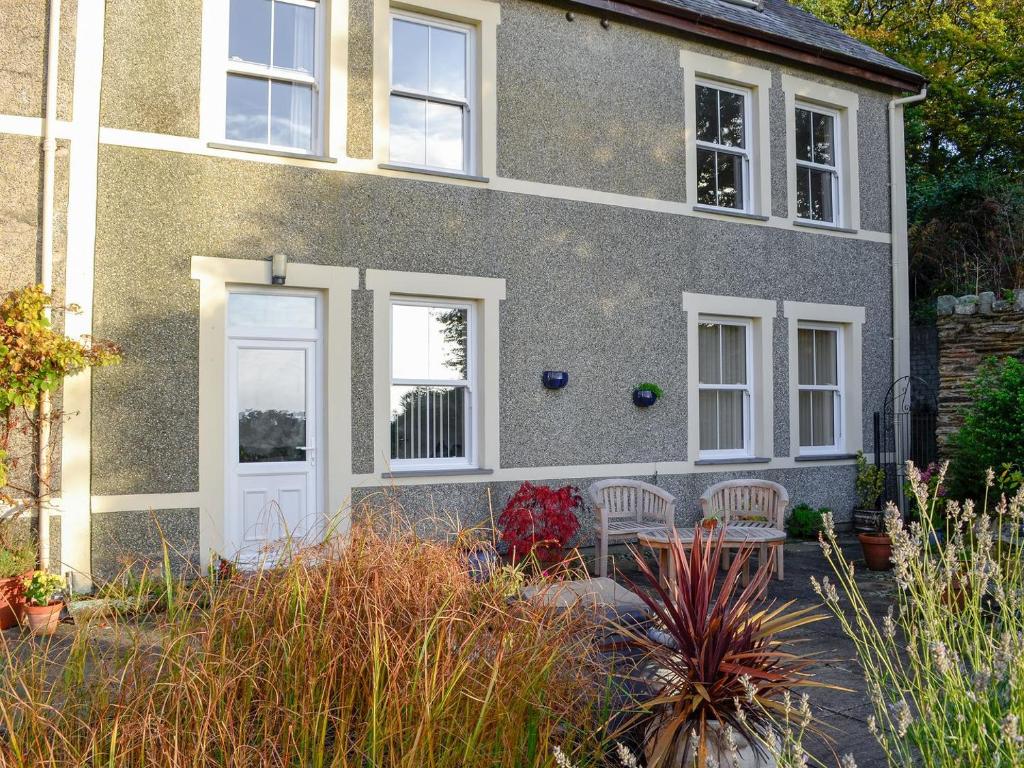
(759, 503)
(624, 508)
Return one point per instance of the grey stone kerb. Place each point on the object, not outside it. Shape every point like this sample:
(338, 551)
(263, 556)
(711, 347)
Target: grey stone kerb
(984, 303)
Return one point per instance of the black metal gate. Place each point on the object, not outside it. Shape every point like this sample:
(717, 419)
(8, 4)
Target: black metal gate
(905, 430)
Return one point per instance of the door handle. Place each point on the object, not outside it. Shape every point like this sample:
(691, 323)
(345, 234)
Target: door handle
(308, 450)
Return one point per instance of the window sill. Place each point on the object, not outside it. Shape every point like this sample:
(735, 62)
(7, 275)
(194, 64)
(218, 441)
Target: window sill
(737, 460)
(270, 152)
(730, 212)
(432, 172)
(454, 472)
(825, 457)
(824, 226)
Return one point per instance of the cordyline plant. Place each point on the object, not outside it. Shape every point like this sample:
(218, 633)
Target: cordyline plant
(539, 520)
(945, 667)
(720, 664)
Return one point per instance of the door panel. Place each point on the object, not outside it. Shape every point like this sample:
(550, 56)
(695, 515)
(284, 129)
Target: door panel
(273, 432)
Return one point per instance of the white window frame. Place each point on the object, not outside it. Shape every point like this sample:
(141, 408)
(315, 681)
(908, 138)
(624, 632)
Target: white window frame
(838, 389)
(217, 66)
(749, 409)
(760, 314)
(836, 171)
(468, 104)
(486, 293)
(469, 383)
(844, 104)
(730, 75)
(850, 320)
(745, 152)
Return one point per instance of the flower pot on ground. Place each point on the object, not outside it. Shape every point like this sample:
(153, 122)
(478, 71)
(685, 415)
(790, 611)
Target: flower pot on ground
(12, 599)
(646, 395)
(43, 602)
(877, 549)
(17, 560)
(709, 523)
(539, 521)
(739, 753)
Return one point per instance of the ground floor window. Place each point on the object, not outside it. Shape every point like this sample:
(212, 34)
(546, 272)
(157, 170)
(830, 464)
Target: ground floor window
(725, 386)
(431, 382)
(819, 379)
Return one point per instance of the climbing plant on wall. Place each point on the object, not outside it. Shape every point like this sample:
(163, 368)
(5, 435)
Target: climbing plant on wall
(35, 358)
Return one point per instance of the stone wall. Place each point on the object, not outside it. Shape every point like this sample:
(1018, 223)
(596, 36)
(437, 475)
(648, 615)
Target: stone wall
(971, 329)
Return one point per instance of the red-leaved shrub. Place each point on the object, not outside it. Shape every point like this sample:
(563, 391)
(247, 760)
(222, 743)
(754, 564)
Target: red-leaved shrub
(540, 520)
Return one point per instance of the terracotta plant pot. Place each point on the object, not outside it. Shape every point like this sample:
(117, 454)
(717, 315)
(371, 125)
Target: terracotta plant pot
(877, 550)
(12, 600)
(43, 619)
(708, 525)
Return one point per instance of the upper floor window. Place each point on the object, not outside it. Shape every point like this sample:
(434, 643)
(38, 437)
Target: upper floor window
(273, 70)
(725, 386)
(431, 93)
(819, 380)
(817, 165)
(723, 146)
(431, 383)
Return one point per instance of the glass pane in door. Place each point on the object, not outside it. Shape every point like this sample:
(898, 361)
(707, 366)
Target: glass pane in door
(271, 405)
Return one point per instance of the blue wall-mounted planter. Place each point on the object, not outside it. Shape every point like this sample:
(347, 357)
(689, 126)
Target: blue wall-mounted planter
(643, 398)
(554, 379)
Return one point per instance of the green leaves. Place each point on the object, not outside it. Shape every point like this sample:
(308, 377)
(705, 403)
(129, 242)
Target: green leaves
(992, 435)
(35, 358)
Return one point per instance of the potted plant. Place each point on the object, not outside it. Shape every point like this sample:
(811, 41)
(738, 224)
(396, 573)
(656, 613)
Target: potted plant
(868, 519)
(647, 394)
(715, 660)
(539, 521)
(17, 559)
(43, 602)
(709, 522)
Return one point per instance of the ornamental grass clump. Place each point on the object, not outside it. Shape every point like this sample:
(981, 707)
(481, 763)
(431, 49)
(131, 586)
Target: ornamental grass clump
(380, 652)
(945, 666)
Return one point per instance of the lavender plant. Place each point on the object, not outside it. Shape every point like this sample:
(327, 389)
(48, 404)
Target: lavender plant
(945, 666)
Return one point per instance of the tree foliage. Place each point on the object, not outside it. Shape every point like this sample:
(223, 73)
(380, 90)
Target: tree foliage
(992, 435)
(965, 143)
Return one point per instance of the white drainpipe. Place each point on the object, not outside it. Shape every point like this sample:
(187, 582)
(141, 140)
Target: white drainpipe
(898, 229)
(46, 268)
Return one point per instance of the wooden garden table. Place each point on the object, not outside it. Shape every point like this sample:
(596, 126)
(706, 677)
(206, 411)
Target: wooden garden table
(764, 539)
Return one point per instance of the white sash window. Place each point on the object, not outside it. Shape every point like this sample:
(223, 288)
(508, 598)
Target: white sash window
(272, 95)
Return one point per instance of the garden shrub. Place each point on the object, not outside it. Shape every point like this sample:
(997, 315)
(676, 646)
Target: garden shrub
(992, 435)
(806, 522)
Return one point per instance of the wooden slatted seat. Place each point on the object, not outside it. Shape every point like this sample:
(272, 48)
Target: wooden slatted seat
(625, 508)
(748, 502)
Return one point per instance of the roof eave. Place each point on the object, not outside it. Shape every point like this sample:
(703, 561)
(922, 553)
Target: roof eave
(721, 30)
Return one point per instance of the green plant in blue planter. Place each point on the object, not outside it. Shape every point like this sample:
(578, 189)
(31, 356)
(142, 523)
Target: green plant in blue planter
(647, 394)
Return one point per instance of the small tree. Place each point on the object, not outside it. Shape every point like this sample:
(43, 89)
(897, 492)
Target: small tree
(34, 359)
(992, 435)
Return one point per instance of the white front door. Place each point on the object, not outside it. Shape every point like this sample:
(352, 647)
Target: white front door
(273, 421)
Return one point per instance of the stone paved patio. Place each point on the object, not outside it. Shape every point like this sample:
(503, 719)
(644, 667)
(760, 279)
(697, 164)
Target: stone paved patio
(844, 714)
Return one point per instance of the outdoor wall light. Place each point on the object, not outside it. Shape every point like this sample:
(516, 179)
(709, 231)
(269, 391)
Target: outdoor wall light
(554, 379)
(278, 268)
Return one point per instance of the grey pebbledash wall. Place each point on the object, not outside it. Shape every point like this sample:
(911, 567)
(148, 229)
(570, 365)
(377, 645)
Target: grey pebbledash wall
(583, 106)
(437, 509)
(592, 289)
